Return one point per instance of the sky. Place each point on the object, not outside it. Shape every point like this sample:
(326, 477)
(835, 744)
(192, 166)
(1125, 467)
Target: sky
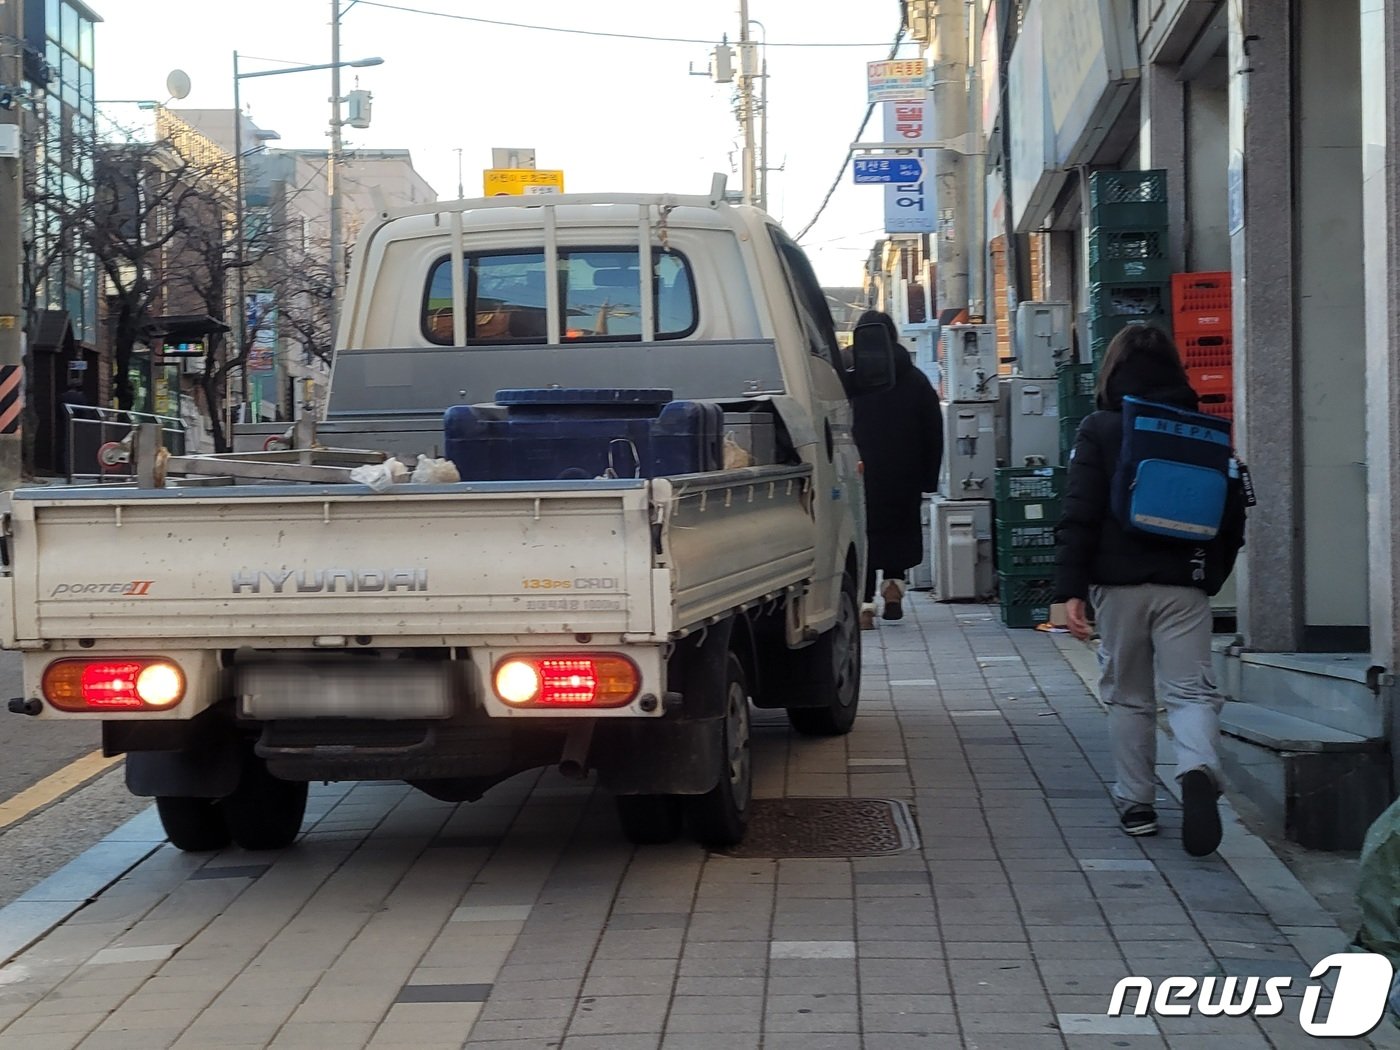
(614, 115)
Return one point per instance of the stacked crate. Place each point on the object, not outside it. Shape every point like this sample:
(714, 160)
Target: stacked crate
(1129, 272)
(1028, 505)
(1204, 329)
(1076, 383)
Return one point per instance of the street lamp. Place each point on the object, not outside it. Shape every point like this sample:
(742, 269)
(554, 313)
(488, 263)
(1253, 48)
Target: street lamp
(238, 77)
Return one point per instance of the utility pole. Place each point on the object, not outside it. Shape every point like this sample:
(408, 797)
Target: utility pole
(11, 245)
(976, 182)
(948, 48)
(332, 160)
(461, 190)
(763, 169)
(746, 77)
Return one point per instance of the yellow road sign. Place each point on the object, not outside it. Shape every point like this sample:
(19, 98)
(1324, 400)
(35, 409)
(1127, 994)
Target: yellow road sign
(508, 182)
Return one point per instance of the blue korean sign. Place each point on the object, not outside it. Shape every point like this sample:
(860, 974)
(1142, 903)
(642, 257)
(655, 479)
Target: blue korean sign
(883, 170)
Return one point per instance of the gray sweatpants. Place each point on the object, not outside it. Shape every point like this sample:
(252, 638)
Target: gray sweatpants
(1156, 647)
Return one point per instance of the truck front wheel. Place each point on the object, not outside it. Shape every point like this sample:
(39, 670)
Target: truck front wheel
(720, 816)
(195, 825)
(264, 812)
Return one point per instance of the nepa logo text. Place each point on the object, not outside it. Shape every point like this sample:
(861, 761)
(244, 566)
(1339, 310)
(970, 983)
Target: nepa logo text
(330, 581)
(1363, 985)
(125, 589)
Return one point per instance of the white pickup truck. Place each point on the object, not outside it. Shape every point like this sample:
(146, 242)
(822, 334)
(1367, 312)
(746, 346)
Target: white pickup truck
(599, 591)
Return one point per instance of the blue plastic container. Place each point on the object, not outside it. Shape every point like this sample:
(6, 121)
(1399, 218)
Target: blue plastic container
(557, 434)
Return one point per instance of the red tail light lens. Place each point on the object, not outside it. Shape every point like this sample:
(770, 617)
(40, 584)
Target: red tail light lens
(122, 684)
(567, 680)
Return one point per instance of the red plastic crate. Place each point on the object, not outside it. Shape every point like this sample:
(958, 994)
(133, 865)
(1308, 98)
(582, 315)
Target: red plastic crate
(1211, 380)
(1203, 322)
(1201, 291)
(1220, 405)
(1206, 351)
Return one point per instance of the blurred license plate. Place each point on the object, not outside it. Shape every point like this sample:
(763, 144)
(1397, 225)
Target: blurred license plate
(400, 689)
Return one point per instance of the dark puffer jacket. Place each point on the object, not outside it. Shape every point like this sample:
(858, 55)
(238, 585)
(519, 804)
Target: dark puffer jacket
(1092, 547)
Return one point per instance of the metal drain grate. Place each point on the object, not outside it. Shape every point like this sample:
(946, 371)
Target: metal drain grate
(827, 827)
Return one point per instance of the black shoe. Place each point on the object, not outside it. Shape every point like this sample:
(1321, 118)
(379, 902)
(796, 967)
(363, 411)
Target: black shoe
(1200, 814)
(1139, 820)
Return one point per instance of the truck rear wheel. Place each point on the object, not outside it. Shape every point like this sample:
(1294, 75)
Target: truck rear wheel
(720, 816)
(195, 825)
(264, 812)
(831, 672)
(649, 820)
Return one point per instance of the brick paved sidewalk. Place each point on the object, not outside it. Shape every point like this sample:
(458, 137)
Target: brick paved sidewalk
(525, 922)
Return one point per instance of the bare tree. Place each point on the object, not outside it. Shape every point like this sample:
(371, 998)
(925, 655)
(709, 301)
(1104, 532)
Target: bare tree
(143, 197)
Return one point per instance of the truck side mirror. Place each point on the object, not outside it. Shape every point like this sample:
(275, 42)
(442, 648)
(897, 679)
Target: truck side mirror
(872, 359)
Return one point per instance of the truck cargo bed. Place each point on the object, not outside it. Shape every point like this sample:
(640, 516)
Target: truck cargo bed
(286, 564)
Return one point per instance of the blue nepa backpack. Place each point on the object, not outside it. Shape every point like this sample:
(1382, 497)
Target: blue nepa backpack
(1173, 473)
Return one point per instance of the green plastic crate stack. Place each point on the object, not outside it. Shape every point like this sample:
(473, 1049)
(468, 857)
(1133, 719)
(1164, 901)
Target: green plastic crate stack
(1129, 270)
(1076, 400)
(1028, 504)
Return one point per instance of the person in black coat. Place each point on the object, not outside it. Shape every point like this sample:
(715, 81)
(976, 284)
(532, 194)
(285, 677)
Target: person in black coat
(899, 432)
(72, 396)
(1151, 596)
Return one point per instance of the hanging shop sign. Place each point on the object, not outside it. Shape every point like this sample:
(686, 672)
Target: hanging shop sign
(991, 70)
(896, 80)
(1091, 71)
(909, 206)
(1034, 180)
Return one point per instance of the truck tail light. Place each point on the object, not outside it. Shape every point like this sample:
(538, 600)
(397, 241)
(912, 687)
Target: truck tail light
(567, 680)
(114, 684)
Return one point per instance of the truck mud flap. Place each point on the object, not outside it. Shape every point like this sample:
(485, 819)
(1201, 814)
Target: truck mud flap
(663, 758)
(210, 770)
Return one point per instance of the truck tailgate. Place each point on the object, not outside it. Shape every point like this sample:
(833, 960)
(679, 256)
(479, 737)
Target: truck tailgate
(274, 564)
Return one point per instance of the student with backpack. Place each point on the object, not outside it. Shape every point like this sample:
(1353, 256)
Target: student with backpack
(1153, 518)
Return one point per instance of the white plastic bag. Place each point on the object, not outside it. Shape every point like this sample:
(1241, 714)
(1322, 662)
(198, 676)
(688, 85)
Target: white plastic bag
(735, 454)
(435, 472)
(380, 476)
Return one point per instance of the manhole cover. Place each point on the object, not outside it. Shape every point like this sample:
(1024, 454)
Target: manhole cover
(827, 827)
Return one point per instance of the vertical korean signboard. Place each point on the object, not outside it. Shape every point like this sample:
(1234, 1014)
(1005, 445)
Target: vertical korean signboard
(262, 323)
(909, 207)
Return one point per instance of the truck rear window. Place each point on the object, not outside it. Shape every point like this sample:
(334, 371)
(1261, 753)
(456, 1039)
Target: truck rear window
(601, 289)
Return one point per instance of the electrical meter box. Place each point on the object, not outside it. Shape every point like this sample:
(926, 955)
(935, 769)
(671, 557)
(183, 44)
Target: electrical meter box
(968, 354)
(1043, 341)
(961, 542)
(969, 449)
(1033, 420)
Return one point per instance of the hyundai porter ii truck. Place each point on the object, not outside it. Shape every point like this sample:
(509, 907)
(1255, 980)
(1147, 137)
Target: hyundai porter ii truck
(658, 524)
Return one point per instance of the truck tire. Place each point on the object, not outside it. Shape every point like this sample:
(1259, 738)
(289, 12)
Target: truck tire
(195, 825)
(719, 817)
(649, 820)
(264, 812)
(831, 672)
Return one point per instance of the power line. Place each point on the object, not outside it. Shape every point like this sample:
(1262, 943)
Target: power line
(836, 182)
(598, 32)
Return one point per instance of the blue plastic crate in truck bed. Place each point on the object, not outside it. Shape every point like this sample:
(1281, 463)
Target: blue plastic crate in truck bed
(557, 434)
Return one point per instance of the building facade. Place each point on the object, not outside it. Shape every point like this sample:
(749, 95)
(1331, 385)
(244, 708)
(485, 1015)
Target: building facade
(60, 275)
(1274, 125)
